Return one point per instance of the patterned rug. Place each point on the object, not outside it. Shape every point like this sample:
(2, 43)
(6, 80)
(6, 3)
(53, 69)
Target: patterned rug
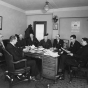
(76, 83)
(46, 83)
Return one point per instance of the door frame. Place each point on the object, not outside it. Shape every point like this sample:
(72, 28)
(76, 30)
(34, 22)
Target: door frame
(40, 22)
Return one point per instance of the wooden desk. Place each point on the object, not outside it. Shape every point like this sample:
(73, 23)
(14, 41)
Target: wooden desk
(49, 64)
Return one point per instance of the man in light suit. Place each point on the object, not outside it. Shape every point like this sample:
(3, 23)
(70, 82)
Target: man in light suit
(21, 41)
(58, 43)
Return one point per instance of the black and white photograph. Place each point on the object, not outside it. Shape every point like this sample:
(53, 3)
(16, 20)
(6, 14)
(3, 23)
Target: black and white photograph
(43, 43)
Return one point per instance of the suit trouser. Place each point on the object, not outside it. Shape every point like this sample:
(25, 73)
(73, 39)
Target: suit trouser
(31, 64)
(67, 60)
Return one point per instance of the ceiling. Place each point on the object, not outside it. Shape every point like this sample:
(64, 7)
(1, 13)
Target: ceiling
(39, 4)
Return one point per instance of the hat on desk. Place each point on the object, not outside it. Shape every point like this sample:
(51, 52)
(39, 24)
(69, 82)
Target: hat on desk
(46, 34)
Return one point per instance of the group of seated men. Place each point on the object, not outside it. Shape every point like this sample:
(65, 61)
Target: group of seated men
(31, 40)
(76, 52)
(17, 54)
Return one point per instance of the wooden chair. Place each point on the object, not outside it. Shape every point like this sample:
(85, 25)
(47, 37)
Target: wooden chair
(66, 44)
(80, 71)
(2, 58)
(14, 74)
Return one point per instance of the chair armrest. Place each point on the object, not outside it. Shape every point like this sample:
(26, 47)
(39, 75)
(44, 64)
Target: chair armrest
(20, 61)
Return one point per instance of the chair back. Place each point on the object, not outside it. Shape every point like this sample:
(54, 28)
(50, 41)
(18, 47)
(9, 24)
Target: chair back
(84, 63)
(66, 43)
(9, 60)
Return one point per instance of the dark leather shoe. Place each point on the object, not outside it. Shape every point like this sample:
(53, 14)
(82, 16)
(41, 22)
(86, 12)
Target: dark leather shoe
(38, 77)
(59, 74)
(32, 78)
(61, 77)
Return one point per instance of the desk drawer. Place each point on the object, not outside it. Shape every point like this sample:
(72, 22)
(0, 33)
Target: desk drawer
(49, 65)
(48, 72)
(49, 60)
(37, 56)
(34, 55)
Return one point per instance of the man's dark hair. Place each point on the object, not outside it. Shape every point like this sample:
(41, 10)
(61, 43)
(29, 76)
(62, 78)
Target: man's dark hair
(17, 36)
(46, 34)
(85, 39)
(12, 38)
(74, 36)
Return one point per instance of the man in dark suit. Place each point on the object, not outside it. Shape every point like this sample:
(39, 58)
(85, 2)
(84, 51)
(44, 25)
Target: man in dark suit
(74, 58)
(31, 40)
(58, 43)
(45, 43)
(18, 55)
(21, 41)
(74, 44)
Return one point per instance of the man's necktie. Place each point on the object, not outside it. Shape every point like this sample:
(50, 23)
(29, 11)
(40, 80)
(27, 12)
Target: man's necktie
(72, 44)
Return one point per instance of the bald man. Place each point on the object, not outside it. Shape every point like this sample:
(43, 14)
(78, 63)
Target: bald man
(21, 41)
(58, 43)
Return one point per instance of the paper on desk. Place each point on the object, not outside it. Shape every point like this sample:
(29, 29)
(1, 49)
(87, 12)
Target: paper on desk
(50, 53)
(32, 51)
(32, 47)
(40, 48)
(26, 50)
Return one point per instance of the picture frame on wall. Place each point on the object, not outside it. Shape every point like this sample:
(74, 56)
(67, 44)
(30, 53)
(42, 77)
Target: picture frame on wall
(55, 26)
(0, 22)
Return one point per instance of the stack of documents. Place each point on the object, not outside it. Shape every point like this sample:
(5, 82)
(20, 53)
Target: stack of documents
(50, 53)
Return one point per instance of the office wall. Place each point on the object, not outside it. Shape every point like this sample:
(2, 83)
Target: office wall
(74, 25)
(42, 17)
(14, 22)
(73, 13)
(60, 13)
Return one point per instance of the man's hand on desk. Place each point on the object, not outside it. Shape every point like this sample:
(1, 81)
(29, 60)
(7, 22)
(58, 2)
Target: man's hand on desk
(26, 49)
